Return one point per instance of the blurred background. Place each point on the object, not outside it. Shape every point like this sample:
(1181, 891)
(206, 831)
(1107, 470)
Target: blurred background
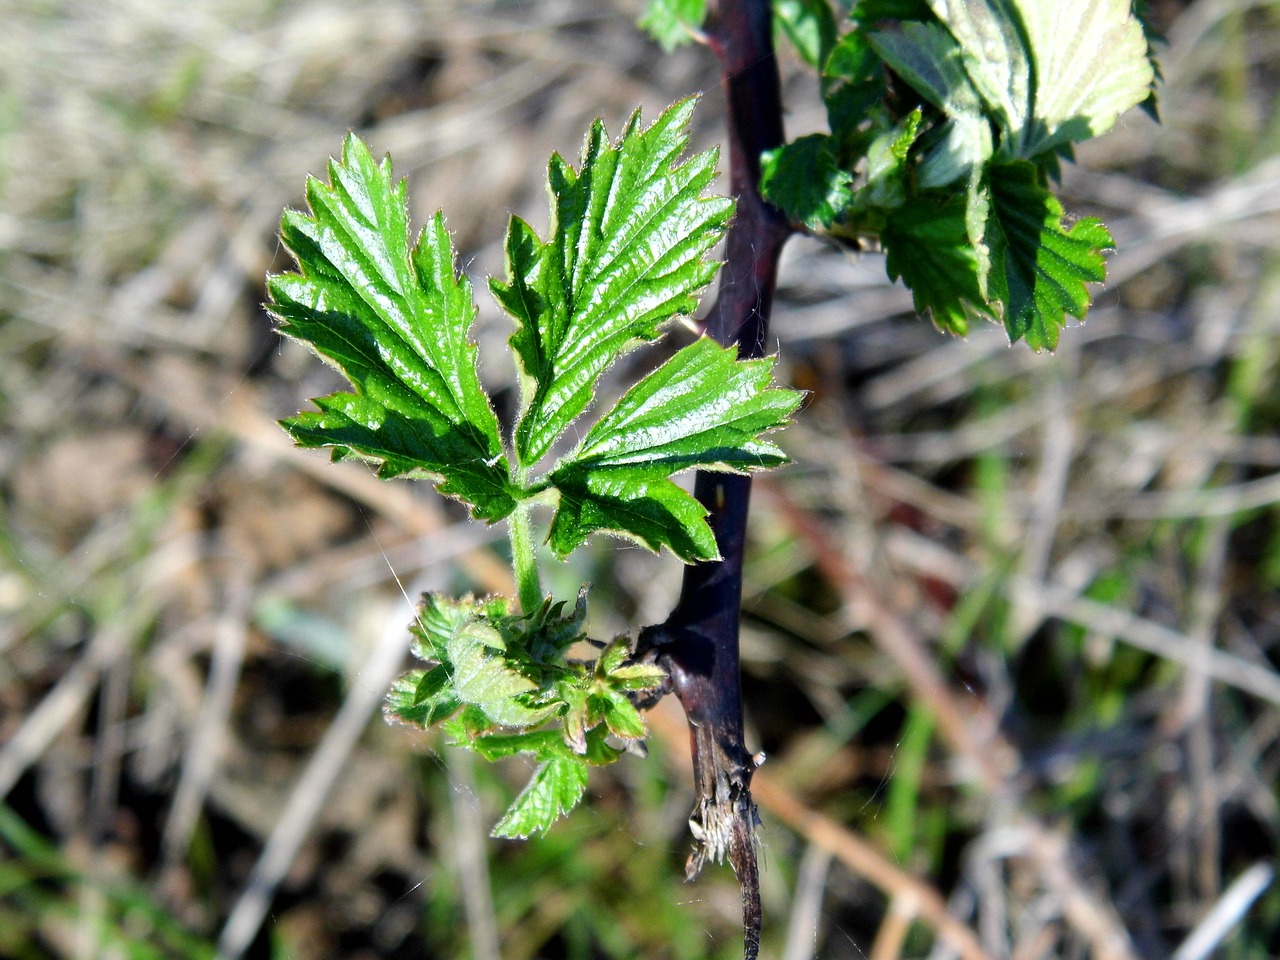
(1012, 622)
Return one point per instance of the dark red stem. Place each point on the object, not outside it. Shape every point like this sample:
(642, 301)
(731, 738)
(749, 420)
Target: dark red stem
(699, 642)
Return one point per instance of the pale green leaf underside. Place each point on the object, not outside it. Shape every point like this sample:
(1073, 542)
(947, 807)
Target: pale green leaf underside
(628, 239)
(1082, 64)
(482, 678)
(993, 55)
(395, 318)
(1091, 66)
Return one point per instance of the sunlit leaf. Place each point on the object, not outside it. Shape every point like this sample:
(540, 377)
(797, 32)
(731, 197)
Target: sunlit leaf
(395, 318)
(810, 25)
(627, 252)
(702, 408)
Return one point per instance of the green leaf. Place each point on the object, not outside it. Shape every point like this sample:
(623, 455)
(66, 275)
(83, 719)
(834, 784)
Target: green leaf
(853, 82)
(927, 246)
(929, 59)
(542, 744)
(810, 25)
(673, 23)
(805, 180)
(395, 319)
(550, 632)
(961, 150)
(702, 408)
(637, 676)
(483, 678)
(886, 176)
(1091, 65)
(466, 638)
(633, 504)
(422, 697)
(622, 718)
(613, 656)
(627, 252)
(554, 790)
(1050, 72)
(577, 717)
(871, 11)
(993, 56)
(1039, 266)
(439, 617)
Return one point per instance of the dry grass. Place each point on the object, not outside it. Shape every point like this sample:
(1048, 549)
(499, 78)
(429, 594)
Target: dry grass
(1013, 625)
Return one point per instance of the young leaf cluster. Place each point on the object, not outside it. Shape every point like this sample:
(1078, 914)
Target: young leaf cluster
(947, 119)
(498, 677)
(626, 252)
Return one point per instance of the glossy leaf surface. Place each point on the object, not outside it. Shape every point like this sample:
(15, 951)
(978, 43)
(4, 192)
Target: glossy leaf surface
(805, 178)
(395, 318)
(702, 408)
(626, 253)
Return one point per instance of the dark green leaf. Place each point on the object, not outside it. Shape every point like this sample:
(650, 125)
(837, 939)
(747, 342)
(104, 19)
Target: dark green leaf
(550, 632)
(395, 319)
(810, 25)
(873, 11)
(702, 408)
(1039, 266)
(633, 504)
(554, 790)
(852, 84)
(627, 252)
(927, 246)
(928, 58)
(804, 179)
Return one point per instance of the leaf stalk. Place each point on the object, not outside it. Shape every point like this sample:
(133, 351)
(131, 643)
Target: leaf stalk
(524, 559)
